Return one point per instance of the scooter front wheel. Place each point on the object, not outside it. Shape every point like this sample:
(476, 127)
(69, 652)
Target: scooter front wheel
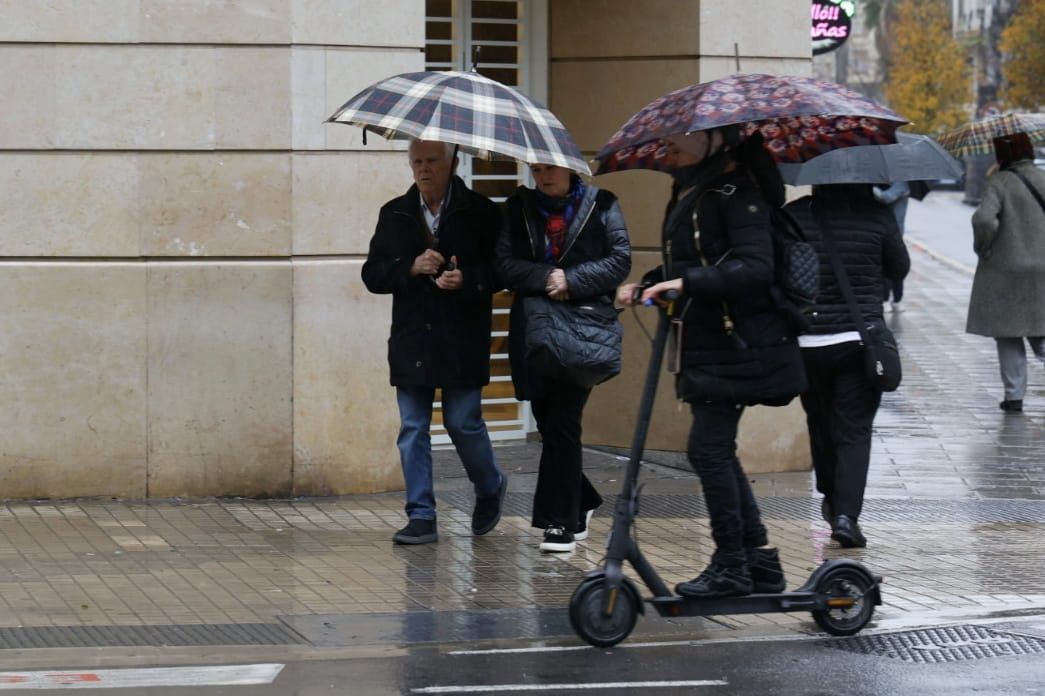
(850, 599)
(592, 623)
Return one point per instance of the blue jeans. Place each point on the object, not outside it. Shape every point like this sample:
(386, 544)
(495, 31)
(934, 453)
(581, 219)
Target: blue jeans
(463, 418)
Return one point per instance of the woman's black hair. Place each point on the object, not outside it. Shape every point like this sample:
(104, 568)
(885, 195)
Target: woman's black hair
(753, 158)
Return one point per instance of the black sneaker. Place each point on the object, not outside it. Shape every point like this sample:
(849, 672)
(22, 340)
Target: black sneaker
(417, 531)
(557, 540)
(1012, 405)
(487, 512)
(582, 533)
(766, 573)
(719, 580)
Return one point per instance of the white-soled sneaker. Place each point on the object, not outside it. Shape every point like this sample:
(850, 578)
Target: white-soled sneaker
(557, 540)
(583, 533)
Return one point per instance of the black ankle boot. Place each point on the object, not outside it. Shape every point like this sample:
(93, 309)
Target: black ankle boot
(767, 575)
(727, 576)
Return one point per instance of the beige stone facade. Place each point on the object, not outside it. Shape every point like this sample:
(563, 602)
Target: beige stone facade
(180, 305)
(181, 311)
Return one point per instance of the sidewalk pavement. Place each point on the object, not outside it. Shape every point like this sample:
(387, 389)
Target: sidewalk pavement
(955, 518)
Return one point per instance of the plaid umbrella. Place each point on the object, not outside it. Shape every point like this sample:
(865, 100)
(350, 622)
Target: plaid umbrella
(483, 117)
(799, 118)
(975, 138)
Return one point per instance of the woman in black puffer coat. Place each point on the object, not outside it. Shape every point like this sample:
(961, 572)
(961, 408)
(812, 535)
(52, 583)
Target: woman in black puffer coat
(841, 401)
(567, 240)
(737, 347)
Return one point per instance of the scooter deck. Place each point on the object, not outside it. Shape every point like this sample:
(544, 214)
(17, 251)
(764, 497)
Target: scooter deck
(677, 605)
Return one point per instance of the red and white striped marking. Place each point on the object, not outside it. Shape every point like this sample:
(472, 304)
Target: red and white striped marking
(218, 675)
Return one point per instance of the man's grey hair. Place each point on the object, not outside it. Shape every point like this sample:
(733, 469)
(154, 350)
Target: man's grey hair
(447, 147)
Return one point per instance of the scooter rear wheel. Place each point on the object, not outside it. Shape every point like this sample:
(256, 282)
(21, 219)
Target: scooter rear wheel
(589, 620)
(850, 591)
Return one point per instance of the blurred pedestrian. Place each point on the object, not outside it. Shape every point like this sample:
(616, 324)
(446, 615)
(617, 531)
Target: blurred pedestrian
(736, 348)
(841, 401)
(567, 240)
(433, 251)
(895, 195)
(1008, 290)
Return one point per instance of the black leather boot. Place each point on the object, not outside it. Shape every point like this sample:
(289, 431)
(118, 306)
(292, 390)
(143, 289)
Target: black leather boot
(767, 575)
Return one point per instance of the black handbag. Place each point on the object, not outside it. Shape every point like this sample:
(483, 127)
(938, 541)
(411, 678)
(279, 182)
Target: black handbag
(881, 354)
(573, 341)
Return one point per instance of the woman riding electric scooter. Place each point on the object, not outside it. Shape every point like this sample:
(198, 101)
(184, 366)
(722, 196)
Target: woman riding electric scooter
(735, 347)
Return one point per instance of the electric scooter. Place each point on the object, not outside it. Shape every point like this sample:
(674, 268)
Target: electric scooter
(841, 594)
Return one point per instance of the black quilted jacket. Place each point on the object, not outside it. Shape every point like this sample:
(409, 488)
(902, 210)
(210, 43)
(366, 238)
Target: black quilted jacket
(597, 259)
(871, 248)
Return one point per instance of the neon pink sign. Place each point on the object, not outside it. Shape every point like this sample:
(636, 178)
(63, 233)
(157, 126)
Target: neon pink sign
(832, 24)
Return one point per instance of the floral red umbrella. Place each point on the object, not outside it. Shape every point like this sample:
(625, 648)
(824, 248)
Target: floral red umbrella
(799, 118)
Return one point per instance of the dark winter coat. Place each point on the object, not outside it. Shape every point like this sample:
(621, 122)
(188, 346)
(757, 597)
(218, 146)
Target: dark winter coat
(759, 363)
(597, 258)
(439, 338)
(871, 247)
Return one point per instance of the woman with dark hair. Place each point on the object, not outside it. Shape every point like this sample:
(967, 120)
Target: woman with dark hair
(736, 347)
(1008, 291)
(841, 401)
(565, 239)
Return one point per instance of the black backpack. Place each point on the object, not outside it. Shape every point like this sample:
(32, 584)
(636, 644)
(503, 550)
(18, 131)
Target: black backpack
(796, 270)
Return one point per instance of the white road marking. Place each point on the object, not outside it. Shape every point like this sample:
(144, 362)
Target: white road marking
(494, 688)
(219, 675)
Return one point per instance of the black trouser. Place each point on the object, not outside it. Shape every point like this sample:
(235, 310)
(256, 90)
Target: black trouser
(564, 494)
(840, 406)
(736, 522)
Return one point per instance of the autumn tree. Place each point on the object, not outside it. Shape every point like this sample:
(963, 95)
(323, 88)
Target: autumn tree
(1023, 49)
(928, 76)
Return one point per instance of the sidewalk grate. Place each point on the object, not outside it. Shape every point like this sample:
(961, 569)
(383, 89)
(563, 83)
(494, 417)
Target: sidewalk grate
(173, 635)
(946, 644)
(660, 506)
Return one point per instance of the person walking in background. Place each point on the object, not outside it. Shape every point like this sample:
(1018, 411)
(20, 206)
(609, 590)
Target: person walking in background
(1008, 290)
(841, 401)
(737, 348)
(896, 196)
(565, 239)
(433, 251)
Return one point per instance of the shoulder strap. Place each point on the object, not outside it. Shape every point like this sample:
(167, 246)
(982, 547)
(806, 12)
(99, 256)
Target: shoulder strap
(1030, 186)
(843, 278)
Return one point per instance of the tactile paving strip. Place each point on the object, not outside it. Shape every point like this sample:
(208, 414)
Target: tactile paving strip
(944, 644)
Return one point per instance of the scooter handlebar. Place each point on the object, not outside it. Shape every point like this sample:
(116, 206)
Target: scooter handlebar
(669, 295)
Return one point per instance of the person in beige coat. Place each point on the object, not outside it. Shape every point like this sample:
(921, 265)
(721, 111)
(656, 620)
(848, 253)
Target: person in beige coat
(1008, 291)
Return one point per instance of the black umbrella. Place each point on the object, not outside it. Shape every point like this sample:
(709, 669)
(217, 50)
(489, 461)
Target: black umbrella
(912, 158)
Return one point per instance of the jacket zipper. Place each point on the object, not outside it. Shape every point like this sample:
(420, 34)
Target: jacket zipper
(579, 230)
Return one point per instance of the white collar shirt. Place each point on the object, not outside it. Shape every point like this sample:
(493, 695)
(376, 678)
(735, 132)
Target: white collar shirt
(432, 219)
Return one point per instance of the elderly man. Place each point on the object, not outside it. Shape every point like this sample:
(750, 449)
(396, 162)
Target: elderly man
(433, 252)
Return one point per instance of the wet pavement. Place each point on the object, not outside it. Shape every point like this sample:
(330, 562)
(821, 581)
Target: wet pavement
(955, 515)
